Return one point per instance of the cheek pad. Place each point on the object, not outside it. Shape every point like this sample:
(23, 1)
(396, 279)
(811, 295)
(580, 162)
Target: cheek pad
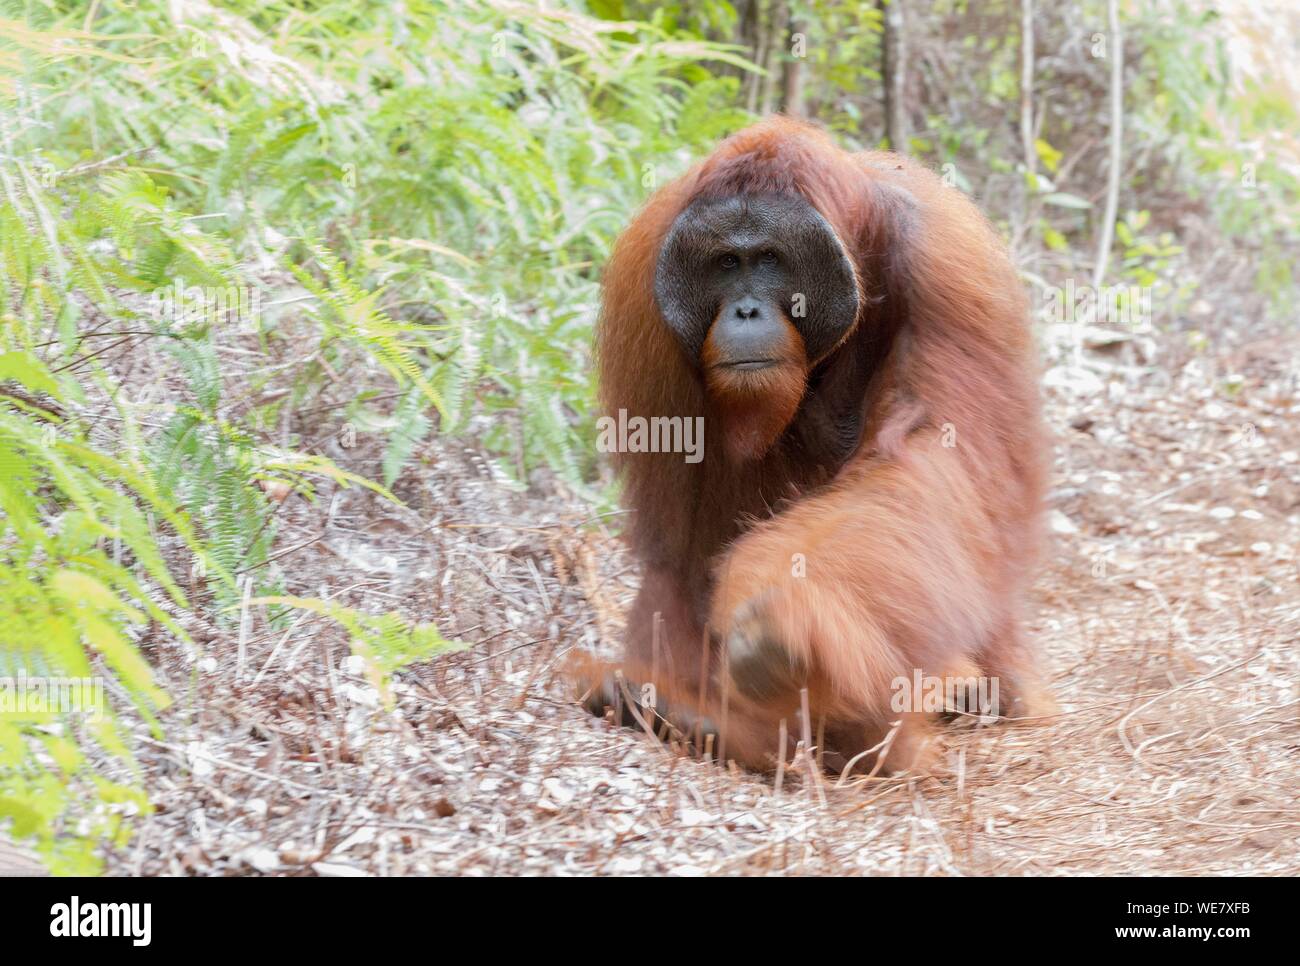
(823, 275)
(682, 284)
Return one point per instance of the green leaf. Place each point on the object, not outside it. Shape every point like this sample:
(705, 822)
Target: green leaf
(1063, 200)
(25, 368)
(1050, 157)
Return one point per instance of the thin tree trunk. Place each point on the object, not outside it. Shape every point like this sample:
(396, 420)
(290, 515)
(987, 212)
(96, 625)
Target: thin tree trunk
(893, 57)
(1027, 84)
(796, 51)
(753, 38)
(773, 29)
(1115, 48)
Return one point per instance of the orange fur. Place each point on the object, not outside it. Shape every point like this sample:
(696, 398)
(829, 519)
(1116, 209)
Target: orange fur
(917, 539)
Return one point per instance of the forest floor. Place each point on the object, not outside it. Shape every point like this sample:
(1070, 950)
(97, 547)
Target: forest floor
(1168, 608)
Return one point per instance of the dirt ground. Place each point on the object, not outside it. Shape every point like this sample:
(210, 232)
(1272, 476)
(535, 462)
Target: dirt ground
(1168, 608)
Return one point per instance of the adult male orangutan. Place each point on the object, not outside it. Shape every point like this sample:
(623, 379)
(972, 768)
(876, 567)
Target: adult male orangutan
(867, 507)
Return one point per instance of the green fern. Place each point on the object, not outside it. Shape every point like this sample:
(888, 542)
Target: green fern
(385, 642)
(68, 608)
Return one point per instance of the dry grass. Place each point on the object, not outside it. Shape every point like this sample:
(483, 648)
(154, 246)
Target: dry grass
(1170, 626)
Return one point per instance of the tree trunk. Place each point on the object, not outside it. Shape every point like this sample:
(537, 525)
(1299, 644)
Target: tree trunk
(753, 38)
(893, 55)
(1115, 49)
(773, 31)
(796, 53)
(1027, 84)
